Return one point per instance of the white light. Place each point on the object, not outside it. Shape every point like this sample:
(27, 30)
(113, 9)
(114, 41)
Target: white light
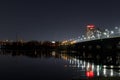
(92, 66)
(98, 70)
(106, 29)
(80, 61)
(116, 27)
(84, 37)
(97, 67)
(98, 73)
(53, 53)
(70, 61)
(111, 73)
(104, 66)
(82, 67)
(111, 66)
(108, 35)
(6, 40)
(112, 32)
(104, 72)
(53, 41)
(88, 37)
(84, 63)
(105, 33)
(119, 74)
(78, 65)
(79, 37)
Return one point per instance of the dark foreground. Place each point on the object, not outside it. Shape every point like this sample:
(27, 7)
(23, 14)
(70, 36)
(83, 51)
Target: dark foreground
(59, 65)
(101, 78)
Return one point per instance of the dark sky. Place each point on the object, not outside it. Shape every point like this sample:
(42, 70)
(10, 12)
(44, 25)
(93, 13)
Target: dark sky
(55, 19)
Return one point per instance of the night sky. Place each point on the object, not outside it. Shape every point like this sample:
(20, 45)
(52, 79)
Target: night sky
(55, 19)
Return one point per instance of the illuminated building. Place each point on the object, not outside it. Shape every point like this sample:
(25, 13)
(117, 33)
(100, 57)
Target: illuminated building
(90, 31)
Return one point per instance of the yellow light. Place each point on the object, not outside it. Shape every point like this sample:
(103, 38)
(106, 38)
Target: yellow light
(73, 42)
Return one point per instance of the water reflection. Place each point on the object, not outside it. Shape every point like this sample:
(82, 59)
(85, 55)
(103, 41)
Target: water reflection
(32, 54)
(85, 65)
(95, 65)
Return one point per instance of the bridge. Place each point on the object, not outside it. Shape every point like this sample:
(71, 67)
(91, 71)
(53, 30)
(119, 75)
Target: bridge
(95, 39)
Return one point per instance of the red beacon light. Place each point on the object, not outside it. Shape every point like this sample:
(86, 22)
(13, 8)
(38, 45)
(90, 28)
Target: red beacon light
(91, 26)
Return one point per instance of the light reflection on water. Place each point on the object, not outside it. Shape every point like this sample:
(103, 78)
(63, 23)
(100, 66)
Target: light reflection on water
(99, 70)
(74, 65)
(94, 70)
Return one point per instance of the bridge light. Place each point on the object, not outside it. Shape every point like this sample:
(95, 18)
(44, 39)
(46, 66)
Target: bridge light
(112, 32)
(88, 37)
(81, 39)
(116, 27)
(106, 29)
(84, 37)
(105, 33)
(73, 42)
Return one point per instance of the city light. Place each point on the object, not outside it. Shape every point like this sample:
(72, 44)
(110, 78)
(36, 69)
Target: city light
(53, 42)
(93, 33)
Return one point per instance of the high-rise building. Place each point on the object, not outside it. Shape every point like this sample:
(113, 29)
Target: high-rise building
(90, 31)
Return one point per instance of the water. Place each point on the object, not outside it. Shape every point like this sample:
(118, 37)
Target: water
(58, 65)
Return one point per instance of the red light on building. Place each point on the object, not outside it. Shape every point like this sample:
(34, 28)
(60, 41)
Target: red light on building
(90, 74)
(90, 26)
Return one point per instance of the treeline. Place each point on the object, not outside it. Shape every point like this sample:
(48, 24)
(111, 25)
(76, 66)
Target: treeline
(30, 45)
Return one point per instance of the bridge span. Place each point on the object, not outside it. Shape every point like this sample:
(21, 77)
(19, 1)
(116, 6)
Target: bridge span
(95, 39)
(105, 44)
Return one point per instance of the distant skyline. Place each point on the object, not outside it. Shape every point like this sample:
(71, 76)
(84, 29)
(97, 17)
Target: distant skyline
(55, 19)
